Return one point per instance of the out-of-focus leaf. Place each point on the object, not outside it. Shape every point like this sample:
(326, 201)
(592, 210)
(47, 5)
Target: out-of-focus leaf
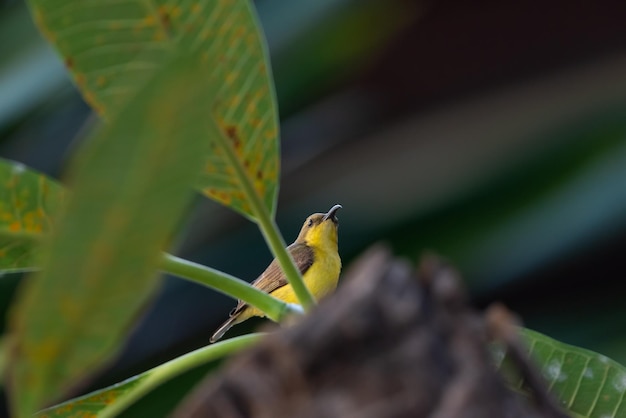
(111, 49)
(130, 187)
(587, 384)
(28, 201)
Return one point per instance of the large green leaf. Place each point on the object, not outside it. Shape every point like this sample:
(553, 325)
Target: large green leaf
(28, 201)
(129, 189)
(587, 384)
(110, 401)
(112, 47)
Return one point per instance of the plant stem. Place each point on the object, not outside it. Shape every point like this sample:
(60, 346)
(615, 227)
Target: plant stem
(166, 371)
(274, 308)
(268, 226)
(276, 242)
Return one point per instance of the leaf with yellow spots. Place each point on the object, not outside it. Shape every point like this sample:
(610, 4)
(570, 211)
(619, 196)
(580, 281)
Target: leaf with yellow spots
(112, 48)
(93, 404)
(586, 384)
(130, 187)
(110, 401)
(28, 201)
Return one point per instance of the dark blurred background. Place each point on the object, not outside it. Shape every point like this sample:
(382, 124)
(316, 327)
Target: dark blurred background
(490, 132)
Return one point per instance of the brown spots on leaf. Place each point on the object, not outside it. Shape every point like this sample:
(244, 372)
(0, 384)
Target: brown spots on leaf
(158, 36)
(260, 187)
(224, 197)
(220, 196)
(80, 80)
(246, 163)
(69, 63)
(67, 409)
(231, 133)
(269, 134)
(90, 98)
(259, 175)
(165, 18)
(235, 101)
(176, 12)
(99, 110)
(245, 207)
(109, 398)
(231, 77)
(147, 21)
(251, 108)
(15, 226)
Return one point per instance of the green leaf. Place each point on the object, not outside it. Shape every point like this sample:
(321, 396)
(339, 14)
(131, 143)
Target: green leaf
(111, 400)
(130, 187)
(93, 404)
(588, 384)
(110, 49)
(28, 201)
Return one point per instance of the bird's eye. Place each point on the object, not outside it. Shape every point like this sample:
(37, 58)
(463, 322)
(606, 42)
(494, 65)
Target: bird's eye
(310, 223)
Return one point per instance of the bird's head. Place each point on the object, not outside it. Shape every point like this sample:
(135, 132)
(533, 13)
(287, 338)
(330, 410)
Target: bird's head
(320, 229)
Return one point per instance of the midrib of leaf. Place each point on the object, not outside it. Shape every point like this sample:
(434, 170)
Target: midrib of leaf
(265, 221)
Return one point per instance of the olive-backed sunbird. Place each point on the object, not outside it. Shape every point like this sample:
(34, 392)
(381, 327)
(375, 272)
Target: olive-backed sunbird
(316, 256)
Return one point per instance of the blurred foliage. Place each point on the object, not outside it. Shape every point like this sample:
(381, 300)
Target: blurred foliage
(98, 267)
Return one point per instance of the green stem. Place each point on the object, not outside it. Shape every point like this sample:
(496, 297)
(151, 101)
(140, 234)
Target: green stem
(277, 244)
(275, 309)
(161, 374)
(268, 226)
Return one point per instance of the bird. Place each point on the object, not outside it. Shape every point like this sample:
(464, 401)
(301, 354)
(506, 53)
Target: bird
(315, 252)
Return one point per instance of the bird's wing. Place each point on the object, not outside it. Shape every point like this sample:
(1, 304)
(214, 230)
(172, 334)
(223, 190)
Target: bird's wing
(273, 278)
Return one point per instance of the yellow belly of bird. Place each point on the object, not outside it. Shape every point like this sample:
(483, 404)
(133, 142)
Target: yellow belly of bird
(321, 279)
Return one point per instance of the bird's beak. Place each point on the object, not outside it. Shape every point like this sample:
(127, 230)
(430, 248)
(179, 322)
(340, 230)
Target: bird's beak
(331, 214)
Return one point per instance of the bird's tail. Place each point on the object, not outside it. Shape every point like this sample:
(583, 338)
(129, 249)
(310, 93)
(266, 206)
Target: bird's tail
(219, 333)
